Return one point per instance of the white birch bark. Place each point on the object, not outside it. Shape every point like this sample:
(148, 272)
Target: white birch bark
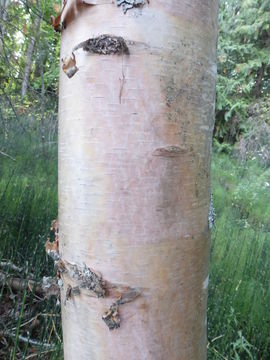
(135, 136)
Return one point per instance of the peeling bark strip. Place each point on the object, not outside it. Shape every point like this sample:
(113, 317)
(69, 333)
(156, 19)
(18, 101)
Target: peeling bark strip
(111, 317)
(58, 23)
(101, 45)
(129, 4)
(86, 279)
(169, 151)
(52, 248)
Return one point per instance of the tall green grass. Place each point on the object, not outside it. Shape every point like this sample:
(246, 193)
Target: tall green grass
(239, 291)
(28, 204)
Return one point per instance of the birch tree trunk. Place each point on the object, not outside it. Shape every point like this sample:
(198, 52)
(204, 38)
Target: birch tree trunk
(135, 135)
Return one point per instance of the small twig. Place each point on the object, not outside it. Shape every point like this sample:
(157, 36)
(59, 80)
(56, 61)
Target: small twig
(215, 351)
(34, 286)
(39, 353)
(27, 322)
(216, 338)
(8, 156)
(35, 317)
(55, 331)
(10, 265)
(28, 340)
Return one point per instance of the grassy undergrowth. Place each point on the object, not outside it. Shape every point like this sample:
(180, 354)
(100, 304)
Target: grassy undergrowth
(28, 203)
(239, 290)
(239, 294)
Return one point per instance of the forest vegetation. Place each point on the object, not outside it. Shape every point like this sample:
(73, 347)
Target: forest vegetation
(239, 288)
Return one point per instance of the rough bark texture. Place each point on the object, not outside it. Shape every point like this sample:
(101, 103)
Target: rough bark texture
(134, 159)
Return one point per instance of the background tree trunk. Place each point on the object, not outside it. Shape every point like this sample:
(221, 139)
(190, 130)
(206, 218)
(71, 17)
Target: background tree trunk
(3, 16)
(34, 30)
(135, 136)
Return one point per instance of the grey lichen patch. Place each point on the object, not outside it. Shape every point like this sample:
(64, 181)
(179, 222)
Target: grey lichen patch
(76, 291)
(170, 151)
(87, 279)
(129, 4)
(104, 45)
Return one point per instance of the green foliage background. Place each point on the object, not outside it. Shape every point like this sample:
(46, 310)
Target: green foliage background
(243, 64)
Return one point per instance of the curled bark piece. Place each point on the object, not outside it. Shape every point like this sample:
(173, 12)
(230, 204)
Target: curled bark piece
(56, 21)
(69, 65)
(104, 45)
(55, 226)
(52, 249)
